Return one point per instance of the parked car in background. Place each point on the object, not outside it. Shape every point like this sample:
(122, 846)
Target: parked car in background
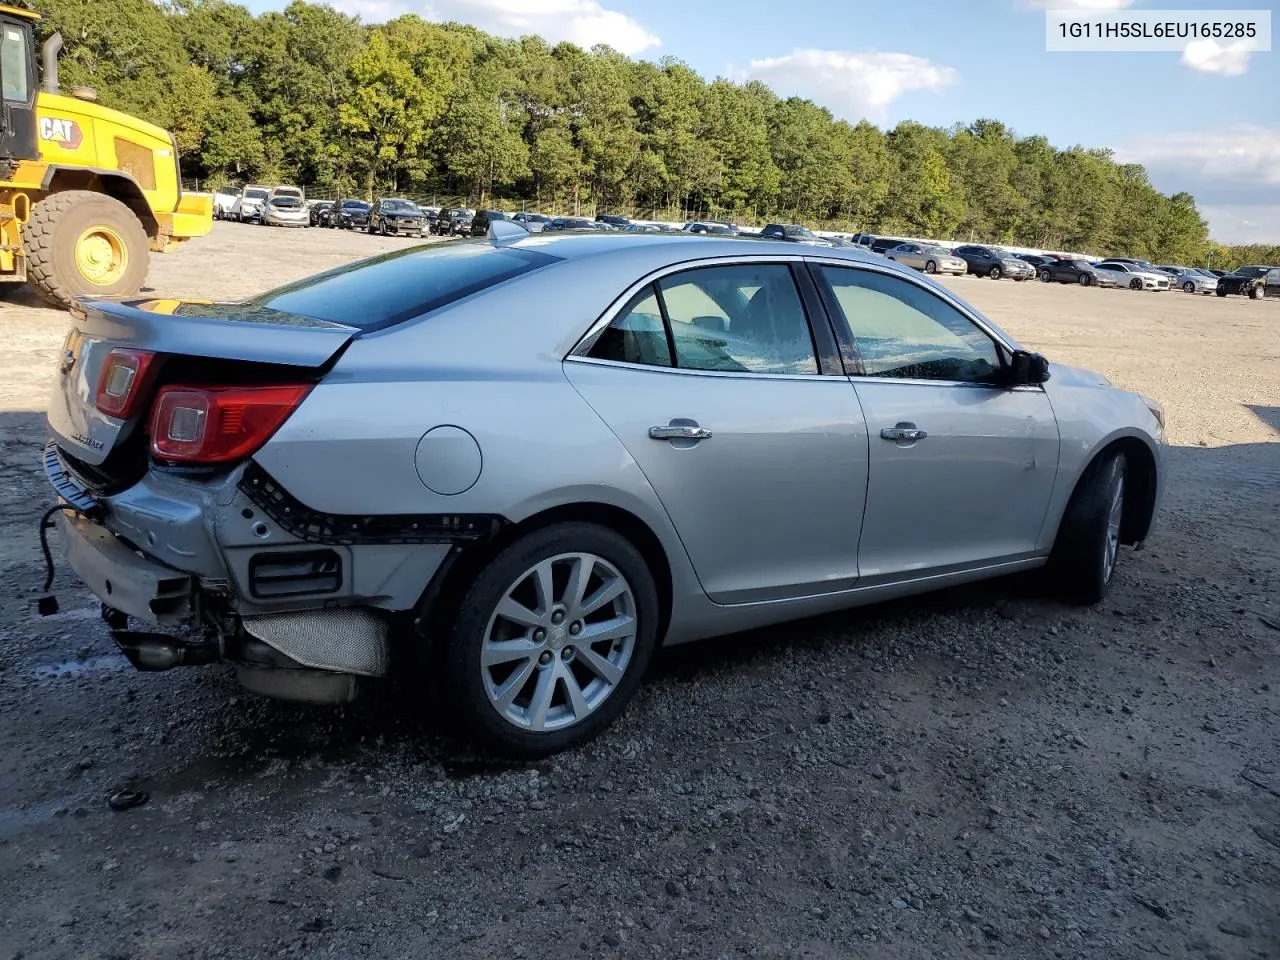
(317, 211)
(924, 257)
(1035, 259)
(1132, 276)
(350, 214)
(286, 207)
(395, 216)
(613, 219)
(533, 222)
(480, 222)
(720, 227)
(882, 245)
(1073, 271)
(454, 221)
(1192, 279)
(250, 206)
(574, 224)
(994, 263)
(224, 202)
(1218, 273)
(793, 233)
(1244, 282)
(428, 445)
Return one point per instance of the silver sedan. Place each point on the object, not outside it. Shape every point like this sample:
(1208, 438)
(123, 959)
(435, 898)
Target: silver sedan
(922, 256)
(526, 462)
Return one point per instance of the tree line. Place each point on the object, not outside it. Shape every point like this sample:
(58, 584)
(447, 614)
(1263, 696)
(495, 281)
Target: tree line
(313, 96)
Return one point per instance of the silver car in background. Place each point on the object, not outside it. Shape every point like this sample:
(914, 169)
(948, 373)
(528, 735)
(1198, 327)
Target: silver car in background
(930, 259)
(286, 207)
(1192, 279)
(525, 462)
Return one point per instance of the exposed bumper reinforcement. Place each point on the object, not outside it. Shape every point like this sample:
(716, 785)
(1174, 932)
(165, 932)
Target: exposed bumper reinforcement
(121, 578)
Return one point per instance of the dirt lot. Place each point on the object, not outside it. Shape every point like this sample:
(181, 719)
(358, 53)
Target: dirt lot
(982, 772)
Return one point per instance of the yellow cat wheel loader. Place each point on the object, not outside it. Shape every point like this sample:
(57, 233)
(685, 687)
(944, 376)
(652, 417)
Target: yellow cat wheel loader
(85, 192)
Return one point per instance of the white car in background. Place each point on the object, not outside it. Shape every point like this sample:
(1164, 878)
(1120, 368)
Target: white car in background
(1133, 277)
(251, 203)
(224, 202)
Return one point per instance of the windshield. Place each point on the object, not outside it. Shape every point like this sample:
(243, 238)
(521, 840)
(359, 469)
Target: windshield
(354, 205)
(797, 232)
(381, 291)
(256, 194)
(1206, 273)
(399, 205)
(13, 63)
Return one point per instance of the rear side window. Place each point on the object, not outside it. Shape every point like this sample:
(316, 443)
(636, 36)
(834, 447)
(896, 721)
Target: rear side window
(376, 293)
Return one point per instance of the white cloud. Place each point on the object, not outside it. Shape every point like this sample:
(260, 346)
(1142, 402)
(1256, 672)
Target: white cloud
(1211, 57)
(851, 85)
(584, 22)
(1243, 224)
(1234, 174)
(1094, 5)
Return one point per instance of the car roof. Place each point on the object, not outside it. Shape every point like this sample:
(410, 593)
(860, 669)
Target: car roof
(581, 245)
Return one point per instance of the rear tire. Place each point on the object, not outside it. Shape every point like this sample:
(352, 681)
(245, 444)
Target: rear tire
(81, 243)
(1087, 549)
(473, 690)
(1220, 292)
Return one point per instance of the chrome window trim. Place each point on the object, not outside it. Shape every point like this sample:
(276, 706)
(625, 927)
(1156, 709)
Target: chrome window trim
(579, 352)
(721, 374)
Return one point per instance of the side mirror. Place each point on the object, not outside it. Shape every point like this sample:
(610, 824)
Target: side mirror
(1026, 368)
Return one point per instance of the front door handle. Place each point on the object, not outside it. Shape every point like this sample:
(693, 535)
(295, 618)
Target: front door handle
(903, 433)
(674, 431)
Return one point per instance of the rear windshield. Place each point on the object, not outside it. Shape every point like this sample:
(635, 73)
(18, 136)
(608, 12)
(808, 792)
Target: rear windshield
(381, 291)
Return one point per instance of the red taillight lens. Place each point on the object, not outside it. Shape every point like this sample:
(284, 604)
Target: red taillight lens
(219, 424)
(122, 382)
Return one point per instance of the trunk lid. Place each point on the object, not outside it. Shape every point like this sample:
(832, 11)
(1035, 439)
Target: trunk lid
(187, 336)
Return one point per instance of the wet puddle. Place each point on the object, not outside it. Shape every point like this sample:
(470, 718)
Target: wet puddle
(82, 668)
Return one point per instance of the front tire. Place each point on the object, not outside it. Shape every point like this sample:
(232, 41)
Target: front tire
(930, 267)
(1046, 276)
(1257, 292)
(995, 273)
(518, 672)
(1188, 287)
(1135, 284)
(1087, 549)
(1085, 280)
(81, 243)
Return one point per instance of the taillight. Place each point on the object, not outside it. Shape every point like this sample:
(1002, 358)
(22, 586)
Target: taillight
(219, 424)
(122, 382)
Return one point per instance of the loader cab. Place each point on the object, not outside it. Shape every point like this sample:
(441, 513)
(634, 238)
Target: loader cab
(18, 87)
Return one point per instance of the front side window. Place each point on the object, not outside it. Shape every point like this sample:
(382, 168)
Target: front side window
(903, 331)
(742, 318)
(13, 64)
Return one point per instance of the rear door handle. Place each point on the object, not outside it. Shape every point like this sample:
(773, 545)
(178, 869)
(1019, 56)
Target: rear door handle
(903, 433)
(679, 432)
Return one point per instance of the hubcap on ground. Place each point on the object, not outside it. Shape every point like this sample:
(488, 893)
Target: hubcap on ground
(1111, 545)
(559, 642)
(101, 255)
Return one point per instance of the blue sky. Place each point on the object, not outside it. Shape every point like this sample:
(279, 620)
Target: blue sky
(1205, 121)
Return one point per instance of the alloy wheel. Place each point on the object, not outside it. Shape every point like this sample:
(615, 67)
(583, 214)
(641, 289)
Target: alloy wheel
(559, 642)
(1111, 543)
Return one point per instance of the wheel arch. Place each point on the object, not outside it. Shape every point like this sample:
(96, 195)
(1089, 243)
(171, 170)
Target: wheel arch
(436, 606)
(112, 183)
(1142, 485)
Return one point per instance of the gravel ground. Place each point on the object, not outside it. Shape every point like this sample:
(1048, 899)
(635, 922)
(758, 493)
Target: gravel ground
(981, 772)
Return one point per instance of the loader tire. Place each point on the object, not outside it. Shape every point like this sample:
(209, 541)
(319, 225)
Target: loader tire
(80, 243)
